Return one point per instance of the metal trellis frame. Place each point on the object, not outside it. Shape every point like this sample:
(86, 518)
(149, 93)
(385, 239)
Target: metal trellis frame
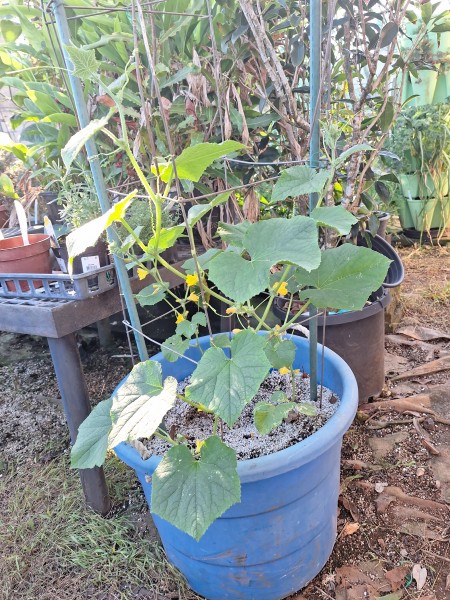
(62, 28)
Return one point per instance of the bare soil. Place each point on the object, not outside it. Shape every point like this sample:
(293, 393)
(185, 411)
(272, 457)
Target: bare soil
(393, 525)
(243, 437)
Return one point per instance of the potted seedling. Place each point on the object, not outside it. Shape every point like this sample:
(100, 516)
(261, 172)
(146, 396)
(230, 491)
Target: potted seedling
(264, 525)
(270, 520)
(24, 253)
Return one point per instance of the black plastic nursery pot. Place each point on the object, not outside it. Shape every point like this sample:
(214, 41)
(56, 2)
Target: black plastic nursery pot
(396, 271)
(91, 259)
(357, 337)
(52, 207)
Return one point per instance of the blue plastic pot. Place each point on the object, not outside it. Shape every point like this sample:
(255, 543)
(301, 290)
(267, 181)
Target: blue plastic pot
(282, 532)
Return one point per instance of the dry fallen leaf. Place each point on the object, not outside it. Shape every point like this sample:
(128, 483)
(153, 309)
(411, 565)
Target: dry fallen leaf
(435, 366)
(350, 529)
(424, 334)
(419, 573)
(396, 577)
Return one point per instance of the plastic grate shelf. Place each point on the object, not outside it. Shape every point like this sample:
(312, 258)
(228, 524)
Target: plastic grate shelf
(57, 286)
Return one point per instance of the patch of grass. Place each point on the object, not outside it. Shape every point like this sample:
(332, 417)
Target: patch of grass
(438, 293)
(53, 547)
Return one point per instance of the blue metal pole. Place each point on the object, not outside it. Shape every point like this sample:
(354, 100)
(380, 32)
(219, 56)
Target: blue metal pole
(315, 28)
(100, 187)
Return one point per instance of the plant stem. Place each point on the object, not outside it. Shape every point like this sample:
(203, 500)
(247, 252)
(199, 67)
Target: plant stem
(288, 312)
(272, 298)
(194, 405)
(297, 314)
(166, 438)
(294, 390)
(158, 213)
(133, 234)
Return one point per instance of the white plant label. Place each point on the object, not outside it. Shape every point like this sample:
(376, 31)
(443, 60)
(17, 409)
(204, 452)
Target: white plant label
(90, 263)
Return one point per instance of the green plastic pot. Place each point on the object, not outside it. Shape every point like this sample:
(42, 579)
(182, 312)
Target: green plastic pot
(409, 182)
(427, 214)
(424, 86)
(406, 220)
(407, 89)
(444, 45)
(442, 91)
(415, 185)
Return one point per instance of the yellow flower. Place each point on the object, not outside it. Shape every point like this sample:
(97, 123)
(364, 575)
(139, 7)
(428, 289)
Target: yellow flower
(283, 371)
(297, 371)
(179, 318)
(198, 445)
(191, 279)
(236, 330)
(282, 290)
(141, 273)
(276, 330)
(193, 297)
(230, 310)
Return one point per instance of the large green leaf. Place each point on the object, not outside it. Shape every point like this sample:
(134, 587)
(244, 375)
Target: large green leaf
(336, 217)
(192, 492)
(77, 141)
(200, 210)
(284, 240)
(342, 158)
(186, 328)
(85, 64)
(178, 76)
(193, 161)
(91, 445)
(86, 235)
(233, 234)
(238, 278)
(7, 186)
(203, 260)
(43, 102)
(297, 181)
(7, 144)
(152, 294)
(388, 34)
(225, 385)
(345, 278)
(140, 403)
(167, 237)
(60, 117)
(281, 353)
(265, 241)
(173, 347)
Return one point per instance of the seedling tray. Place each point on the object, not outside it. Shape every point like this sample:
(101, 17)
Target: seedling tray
(58, 286)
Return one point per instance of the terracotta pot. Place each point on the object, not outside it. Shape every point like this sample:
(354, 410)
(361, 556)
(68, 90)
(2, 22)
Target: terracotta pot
(17, 258)
(4, 216)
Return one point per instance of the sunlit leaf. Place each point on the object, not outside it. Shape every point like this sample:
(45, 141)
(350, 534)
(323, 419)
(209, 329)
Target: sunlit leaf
(192, 492)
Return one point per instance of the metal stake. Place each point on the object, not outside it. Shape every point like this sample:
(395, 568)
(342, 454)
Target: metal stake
(80, 105)
(315, 25)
